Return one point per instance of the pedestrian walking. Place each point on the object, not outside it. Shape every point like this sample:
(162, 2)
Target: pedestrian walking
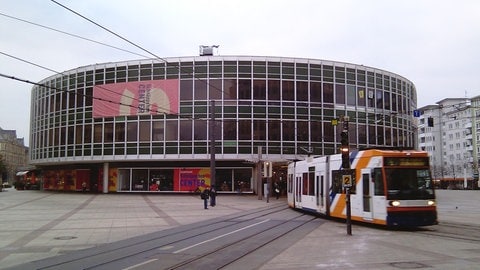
(213, 196)
(276, 189)
(204, 196)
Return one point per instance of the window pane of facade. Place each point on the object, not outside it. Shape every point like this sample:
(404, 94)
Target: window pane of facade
(315, 92)
(340, 94)
(230, 89)
(108, 137)
(171, 130)
(186, 90)
(386, 100)
(132, 131)
(316, 131)
(98, 133)
(144, 131)
(157, 131)
(288, 130)
(259, 131)
(244, 89)
(200, 89)
(302, 91)
(327, 93)
(361, 95)
(302, 131)
(351, 95)
(273, 90)
(328, 132)
(274, 130)
(362, 134)
(200, 130)
(288, 91)
(259, 90)
(379, 99)
(244, 130)
(215, 89)
(229, 129)
(119, 132)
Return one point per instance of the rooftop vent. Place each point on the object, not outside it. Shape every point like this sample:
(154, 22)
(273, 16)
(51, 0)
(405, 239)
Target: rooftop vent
(207, 50)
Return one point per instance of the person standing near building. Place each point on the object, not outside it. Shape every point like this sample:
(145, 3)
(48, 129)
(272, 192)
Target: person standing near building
(204, 196)
(213, 196)
(276, 189)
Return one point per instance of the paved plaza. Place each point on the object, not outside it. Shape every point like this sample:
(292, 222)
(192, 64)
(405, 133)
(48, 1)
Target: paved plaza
(37, 224)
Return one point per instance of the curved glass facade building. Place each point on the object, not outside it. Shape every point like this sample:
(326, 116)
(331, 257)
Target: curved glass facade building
(146, 125)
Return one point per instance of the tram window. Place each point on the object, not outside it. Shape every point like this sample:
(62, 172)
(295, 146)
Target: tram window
(337, 182)
(311, 184)
(290, 183)
(305, 183)
(321, 186)
(409, 183)
(378, 178)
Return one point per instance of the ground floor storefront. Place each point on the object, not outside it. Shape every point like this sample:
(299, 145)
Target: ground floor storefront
(148, 177)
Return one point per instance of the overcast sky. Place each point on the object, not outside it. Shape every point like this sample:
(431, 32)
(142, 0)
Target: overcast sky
(435, 44)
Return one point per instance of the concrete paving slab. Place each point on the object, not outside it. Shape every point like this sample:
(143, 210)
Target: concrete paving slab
(36, 224)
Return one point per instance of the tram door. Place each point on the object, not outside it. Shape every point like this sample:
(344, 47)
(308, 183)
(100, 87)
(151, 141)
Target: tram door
(367, 187)
(298, 190)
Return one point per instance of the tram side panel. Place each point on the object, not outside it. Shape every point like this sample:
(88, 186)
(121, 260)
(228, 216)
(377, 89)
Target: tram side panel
(366, 205)
(308, 183)
(316, 186)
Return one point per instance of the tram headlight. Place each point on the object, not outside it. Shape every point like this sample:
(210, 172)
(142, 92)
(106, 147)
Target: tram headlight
(431, 203)
(394, 203)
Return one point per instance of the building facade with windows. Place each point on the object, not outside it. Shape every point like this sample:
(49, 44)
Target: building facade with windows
(13, 155)
(148, 124)
(452, 140)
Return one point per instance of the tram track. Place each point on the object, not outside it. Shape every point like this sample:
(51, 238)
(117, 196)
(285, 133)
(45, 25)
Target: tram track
(255, 242)
(265, 223)
(456, 231)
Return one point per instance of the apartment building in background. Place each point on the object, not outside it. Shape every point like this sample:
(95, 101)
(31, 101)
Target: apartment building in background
(450, 132)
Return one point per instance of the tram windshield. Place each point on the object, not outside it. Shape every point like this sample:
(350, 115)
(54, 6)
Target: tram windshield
(409, 183)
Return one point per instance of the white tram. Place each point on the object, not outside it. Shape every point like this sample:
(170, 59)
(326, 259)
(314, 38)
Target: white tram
(388, 187)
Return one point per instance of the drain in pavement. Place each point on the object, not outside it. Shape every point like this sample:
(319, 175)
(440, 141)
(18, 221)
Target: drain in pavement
(408, 265)
(65, 237)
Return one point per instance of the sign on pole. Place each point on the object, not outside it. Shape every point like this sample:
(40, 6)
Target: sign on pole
(347, 180)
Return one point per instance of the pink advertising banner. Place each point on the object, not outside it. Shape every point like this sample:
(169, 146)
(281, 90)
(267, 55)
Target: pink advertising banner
(134, 98)
(189, 179)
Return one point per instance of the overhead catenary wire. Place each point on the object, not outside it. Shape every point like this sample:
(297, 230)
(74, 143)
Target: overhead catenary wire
(101, 43)
(134, 44)
(106, 29)
(58, 89)
(72, 35)
(88, 96)
(59, 73)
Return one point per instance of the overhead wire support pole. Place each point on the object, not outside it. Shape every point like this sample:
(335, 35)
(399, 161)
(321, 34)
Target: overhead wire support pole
(212, 143)
(259, 173)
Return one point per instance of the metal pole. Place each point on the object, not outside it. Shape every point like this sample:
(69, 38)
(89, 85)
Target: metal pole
(347, 167)
(212, 143)
(268, 189)
(349, 213)
(259, 173)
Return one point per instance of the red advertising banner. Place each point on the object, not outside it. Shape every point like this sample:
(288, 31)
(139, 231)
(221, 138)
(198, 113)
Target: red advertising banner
(134, 98)
(189, 179)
